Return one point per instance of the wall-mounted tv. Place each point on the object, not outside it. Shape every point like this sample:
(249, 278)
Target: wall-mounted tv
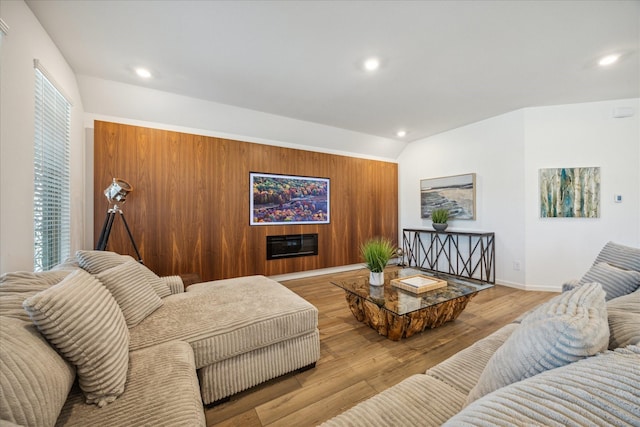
(286, 199)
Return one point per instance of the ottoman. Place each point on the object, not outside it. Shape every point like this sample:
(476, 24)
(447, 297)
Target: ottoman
(243, 331)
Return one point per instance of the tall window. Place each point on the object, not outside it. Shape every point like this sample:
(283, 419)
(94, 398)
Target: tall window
(51, 202)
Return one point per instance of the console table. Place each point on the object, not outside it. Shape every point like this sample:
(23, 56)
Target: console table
(469, 255)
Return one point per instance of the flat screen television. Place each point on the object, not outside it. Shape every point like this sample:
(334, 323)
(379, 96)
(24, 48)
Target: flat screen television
(288, 199)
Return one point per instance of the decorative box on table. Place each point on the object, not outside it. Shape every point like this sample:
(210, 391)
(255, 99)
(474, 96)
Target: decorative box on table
(418, 283)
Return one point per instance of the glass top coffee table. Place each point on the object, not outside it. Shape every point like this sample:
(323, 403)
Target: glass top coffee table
(397, 313)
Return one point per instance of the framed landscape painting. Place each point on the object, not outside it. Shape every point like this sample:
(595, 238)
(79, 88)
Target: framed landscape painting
(570, 192)
(287, 199)
(455, 193)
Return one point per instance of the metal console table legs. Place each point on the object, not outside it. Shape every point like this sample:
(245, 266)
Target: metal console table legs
(469, 255)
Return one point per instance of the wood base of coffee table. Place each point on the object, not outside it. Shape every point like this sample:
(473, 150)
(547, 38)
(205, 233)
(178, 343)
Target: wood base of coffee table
(396, 327)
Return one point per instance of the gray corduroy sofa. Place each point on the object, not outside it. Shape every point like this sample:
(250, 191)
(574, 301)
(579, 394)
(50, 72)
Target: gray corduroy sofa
(572, 361)
(101, 340)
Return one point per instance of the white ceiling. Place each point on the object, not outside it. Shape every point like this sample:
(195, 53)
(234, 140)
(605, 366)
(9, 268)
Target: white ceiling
(444, 63)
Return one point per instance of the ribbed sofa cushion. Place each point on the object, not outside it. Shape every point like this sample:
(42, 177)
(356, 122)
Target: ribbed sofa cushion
(158, 285)
(17, 286)
(570, 284)
(419, 400)
(131, 290)
(463, 369)
(569, 327)
(621, 256)
(615, 281)
(162, 390)
(597, 391)
(175, 284)
(24, 280)
(96, 262)
(624, 320)
(71, 263)
(34, 378)
(80, 318)
(229, 317)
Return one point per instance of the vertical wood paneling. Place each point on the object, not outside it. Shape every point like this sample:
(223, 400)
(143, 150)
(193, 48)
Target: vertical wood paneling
(189, 211)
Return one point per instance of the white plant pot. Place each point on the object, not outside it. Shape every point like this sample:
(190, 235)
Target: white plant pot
(376, 279)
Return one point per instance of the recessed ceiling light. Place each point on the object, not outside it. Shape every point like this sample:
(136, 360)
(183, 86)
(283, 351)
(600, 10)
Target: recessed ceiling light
(143, 72)
(372, 64)
(401, 133)
(609, 59)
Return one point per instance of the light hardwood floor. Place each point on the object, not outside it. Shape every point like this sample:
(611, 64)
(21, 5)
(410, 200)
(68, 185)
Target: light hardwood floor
(356, 363)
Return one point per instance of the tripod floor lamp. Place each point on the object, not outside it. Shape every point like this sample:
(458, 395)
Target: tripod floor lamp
(116, 194)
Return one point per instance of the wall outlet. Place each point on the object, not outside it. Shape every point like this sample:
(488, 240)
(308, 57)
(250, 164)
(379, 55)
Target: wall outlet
(516, 265)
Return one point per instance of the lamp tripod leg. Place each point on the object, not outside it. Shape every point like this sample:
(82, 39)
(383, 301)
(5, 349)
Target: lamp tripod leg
(106, 231)
(135, 247)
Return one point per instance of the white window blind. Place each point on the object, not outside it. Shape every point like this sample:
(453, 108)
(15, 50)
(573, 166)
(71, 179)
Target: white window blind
(51, 166)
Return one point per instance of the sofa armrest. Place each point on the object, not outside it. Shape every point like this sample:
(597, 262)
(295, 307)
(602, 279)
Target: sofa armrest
(175, 284)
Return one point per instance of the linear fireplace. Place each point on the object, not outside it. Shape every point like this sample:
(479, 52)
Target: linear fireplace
(292, 245)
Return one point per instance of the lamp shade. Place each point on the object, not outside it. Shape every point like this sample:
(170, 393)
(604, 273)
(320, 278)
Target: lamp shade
(117, 191)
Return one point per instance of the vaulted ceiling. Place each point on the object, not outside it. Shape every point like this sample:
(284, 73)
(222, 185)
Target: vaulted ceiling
(443, 64)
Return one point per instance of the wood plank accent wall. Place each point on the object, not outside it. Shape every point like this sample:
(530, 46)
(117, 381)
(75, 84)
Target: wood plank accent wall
(189, 210)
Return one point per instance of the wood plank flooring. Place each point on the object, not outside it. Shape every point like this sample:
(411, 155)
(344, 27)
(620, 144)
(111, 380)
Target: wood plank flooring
(356, 363)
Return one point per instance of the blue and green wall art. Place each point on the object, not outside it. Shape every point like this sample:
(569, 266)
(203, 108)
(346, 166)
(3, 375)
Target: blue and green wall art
(570, 192)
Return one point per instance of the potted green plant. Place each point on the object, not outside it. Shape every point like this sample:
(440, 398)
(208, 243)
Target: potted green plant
(376, 253)
(439, 218)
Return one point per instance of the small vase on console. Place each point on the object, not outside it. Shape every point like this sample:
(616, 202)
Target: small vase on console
(439, 227)
(439, 218)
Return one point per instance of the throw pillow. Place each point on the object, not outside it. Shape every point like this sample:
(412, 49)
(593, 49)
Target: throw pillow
(25, 280)
(597, 391)
(621, 256)
(569, 327)
(35, 379)
(624, 320)
(96, 262)
(80, 318)
(17, 286)
(131, 290)
(615, 281)
(161, 288)
(71, 263)
(569, 285)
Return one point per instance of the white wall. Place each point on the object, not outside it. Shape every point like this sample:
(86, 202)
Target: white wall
(141, 105)
(26, 41)
(576, 135)
(506, 152)
(493, 149)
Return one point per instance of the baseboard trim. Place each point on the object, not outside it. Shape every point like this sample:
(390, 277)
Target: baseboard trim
(511, 284)
(318, 272)
(543, 288)
(536, 288)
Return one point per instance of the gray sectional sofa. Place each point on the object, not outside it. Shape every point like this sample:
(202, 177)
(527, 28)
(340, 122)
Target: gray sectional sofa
(101, 340)
(572, 361)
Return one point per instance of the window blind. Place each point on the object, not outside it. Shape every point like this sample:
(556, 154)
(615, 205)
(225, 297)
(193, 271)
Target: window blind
(51, 199)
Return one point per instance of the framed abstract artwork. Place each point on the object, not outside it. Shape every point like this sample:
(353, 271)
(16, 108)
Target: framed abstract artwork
(456, 193)
(569, 192)
(287, 199)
